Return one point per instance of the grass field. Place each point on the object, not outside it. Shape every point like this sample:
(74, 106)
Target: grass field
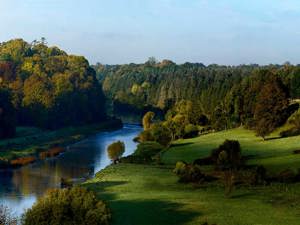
(151, 195)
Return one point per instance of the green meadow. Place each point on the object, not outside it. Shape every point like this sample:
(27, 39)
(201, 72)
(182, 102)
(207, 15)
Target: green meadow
(151, 194)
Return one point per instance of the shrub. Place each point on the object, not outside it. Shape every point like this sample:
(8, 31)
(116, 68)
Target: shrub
(145, 136)
(74, 206)
(255, 176)
(189, 173)
(259, 175)
(145, 153)
(148, 149)
(115, 151)
(190, 131)
(161, 134)
(287, 176)
(227, 155)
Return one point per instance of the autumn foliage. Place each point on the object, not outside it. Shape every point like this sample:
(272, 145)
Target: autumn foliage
(115, 150)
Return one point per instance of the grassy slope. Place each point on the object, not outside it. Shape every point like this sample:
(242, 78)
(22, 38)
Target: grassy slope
(275, 153)
(29, 139)
(150, 195)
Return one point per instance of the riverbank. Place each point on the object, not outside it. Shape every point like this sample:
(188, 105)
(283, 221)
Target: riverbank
(151, 194)
(37, 144)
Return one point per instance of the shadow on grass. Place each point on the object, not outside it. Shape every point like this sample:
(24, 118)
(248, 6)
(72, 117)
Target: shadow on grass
(150, 212)
(272, 138)
(181, 144)
(141, 211)
(99, 188)
(237, 196)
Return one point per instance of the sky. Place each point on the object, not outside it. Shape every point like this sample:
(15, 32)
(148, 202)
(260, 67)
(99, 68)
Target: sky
(228, 32)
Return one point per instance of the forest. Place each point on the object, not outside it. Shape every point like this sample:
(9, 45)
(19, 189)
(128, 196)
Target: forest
(45, 87)
(226, 95)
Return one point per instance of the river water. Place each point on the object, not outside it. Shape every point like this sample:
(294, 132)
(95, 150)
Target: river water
(20, 188)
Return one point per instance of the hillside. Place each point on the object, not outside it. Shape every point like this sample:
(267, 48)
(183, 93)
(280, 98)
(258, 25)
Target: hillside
(150, 194)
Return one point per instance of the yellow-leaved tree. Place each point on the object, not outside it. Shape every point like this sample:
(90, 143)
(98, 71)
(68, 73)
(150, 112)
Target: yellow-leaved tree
(115, 151)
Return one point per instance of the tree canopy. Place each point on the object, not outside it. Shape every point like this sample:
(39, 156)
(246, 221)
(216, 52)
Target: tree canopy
(220, 96)
(48, 87)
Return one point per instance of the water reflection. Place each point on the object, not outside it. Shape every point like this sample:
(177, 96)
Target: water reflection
(20, 188)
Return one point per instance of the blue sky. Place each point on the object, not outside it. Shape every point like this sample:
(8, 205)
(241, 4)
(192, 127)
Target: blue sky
(122, 31)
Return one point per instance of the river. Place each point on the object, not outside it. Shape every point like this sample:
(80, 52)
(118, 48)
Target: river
(20, 188)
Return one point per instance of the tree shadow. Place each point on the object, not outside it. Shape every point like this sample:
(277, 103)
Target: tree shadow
(181, 144)
(273, 138)
(100, 188)
(141, 211)
(150, 212)
(237, 196)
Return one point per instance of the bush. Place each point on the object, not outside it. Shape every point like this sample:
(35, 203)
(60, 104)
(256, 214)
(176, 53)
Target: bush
(145, 136)
(287, 176)
(255, 176)
(259, 175)
(74, 206)
(161, 134)
(115, 151)
(190, 131)
(148, 149)
(144, 153)
(227, 155)
(189, 173)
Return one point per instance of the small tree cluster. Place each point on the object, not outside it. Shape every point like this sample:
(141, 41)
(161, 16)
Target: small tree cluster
(188, 172)
(228, 156)
(116, 150)
(75, 206)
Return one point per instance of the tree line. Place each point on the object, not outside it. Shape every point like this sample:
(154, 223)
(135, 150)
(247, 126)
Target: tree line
(45, 87)
(220, 96)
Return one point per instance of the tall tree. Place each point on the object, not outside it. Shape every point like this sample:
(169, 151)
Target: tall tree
(270, 107)
(147, 120)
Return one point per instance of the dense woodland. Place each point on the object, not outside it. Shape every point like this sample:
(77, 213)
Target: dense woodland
(226, 95)
(45, 87)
